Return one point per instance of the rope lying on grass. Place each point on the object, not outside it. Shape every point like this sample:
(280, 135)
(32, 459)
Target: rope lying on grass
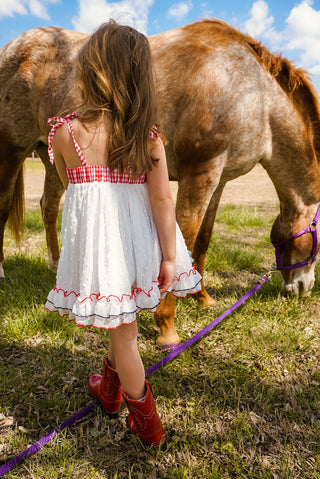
(84, 412)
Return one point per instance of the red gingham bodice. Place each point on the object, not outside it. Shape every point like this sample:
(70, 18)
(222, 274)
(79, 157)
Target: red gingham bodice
(89, 173)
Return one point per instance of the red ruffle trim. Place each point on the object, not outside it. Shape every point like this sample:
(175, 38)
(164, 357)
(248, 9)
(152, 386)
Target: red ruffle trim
(134, 291)
(98, 297)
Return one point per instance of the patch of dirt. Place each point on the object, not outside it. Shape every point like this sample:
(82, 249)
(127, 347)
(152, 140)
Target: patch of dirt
(254, 188)
(34, 174)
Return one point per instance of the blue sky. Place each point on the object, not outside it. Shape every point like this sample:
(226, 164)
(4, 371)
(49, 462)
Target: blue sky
(291, 27)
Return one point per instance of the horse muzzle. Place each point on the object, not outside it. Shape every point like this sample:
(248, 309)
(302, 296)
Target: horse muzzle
(299, 277)
(300, 281)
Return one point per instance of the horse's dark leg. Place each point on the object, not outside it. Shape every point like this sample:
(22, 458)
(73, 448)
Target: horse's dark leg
(50, 200)
(202, 243)
(10, 165)
(2, 223)
(194, 194)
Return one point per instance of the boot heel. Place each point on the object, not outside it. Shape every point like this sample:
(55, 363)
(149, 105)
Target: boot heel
(107, 389)
(143, 419)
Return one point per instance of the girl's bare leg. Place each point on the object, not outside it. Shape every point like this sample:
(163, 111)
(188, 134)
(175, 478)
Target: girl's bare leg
(124, 356)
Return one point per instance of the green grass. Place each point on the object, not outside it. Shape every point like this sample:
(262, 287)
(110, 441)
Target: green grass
(243, 402)
(34, 164)
(239, 255)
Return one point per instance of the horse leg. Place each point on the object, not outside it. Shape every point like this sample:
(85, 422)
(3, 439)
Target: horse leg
(50, 200)
(164, 318)
(11, 190)
(202, 243)
(193, 197)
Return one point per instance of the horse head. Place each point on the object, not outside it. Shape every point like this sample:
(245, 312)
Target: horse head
(297, 178)
(296, 251)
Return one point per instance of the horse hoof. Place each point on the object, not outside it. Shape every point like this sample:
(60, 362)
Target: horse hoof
(1, 280)
(205, 300)
(53, 267)
(209, 303)
(305, 294)
(1, 273)
(168, 341)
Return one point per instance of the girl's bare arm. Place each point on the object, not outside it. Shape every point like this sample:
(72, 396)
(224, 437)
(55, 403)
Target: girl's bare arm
(163, 212)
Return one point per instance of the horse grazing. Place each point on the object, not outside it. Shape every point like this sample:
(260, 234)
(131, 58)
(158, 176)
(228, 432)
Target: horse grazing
(225, 104)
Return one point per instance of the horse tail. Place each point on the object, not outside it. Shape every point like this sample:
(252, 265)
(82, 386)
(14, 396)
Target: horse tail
(17, 213)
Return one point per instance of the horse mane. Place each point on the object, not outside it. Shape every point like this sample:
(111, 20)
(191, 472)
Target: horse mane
(295, 82)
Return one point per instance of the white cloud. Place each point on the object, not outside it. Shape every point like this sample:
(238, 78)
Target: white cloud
(9, 8)
(300, 37)
(180, 10)
(260, 24)
(259, 21)
(92, 14)
(38, 9)
(303, 33)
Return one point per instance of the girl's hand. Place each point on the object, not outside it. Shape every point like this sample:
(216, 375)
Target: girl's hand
(166, 275)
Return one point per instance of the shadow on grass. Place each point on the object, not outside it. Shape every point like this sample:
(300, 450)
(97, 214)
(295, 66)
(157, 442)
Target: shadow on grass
(240, 282)
(216, 403)
(206, 398)
(27, 282)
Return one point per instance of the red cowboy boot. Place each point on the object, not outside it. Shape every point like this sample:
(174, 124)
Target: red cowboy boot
(144, 420)
(107, 388)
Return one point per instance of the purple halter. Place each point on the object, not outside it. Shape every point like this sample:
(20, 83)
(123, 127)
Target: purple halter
(312, 228)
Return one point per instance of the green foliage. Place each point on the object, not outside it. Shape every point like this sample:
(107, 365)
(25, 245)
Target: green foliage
(240, 216)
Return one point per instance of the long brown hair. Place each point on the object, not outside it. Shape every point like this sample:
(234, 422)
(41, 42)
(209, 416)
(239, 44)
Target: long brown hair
(115, 76)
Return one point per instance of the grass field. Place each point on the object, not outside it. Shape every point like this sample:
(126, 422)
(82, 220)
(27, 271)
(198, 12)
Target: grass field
(243, 402)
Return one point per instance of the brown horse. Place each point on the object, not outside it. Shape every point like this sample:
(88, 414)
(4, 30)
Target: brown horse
(226, 103)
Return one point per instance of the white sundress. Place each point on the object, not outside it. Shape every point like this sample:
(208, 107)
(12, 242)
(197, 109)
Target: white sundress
(110, 256)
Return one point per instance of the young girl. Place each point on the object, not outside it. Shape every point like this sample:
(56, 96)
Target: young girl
(121, 249)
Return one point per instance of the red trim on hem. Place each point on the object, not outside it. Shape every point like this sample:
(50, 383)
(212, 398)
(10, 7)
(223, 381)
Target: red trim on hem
(134, 291)
(192, 270)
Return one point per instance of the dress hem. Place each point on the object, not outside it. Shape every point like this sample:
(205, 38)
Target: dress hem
(89, 325)
(152, 309)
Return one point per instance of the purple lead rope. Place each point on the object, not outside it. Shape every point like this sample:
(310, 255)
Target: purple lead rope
(5, 468)
(44, 440)
(206, 329)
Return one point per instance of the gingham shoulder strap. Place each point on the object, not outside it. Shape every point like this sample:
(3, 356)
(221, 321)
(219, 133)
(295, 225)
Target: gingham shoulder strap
(57, 121)
(153, 133)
